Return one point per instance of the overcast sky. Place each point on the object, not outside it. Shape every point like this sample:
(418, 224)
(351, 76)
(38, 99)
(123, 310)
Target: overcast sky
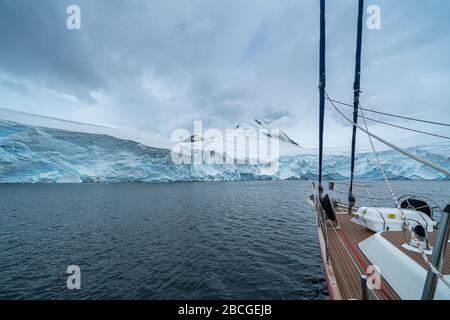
(154, 66)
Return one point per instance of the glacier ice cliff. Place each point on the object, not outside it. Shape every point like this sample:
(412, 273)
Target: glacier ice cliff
(31, 154)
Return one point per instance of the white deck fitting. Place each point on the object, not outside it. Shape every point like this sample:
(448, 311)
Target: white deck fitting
(403, 274)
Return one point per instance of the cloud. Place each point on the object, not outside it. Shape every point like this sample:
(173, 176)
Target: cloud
(155, 66)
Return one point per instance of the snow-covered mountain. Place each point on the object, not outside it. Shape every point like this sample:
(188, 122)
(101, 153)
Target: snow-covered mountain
(30, 154)
(262, 125)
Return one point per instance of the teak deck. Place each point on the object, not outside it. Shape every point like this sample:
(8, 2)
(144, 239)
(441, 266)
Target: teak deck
(397, 239)
(347, 262)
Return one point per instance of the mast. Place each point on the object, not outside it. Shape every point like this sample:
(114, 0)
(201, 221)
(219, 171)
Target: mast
(356, 94)
(322, 84)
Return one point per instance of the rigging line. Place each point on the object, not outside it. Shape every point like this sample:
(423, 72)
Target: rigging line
(362, 196)
(370, 196)
(402, 214)
(380, 166)
(390, 114)
(393, 146)
(406, 128)
(340, 239)
(355, 184)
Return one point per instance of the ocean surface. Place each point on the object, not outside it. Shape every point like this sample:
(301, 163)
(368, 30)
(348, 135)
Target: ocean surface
(234, 240)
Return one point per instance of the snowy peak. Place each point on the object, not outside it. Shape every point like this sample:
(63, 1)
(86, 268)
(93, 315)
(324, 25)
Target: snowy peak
(264, 125)
(193, 138)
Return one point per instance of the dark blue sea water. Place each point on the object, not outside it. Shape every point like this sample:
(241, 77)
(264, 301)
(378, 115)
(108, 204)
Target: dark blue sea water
(237, 240)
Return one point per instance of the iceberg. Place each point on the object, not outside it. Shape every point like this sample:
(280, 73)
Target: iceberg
(34, 154)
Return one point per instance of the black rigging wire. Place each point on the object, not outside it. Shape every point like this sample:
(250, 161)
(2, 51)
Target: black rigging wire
(390, 114)
(393, 146)
(355, 184)
(391, 124)
(406, 128)
(362, 196)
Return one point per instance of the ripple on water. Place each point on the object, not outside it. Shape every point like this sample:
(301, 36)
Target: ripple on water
(243, 240)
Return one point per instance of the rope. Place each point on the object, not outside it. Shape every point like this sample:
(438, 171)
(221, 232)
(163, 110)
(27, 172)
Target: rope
(406, 128)
(402, 214)
(355, 184)
(393, 146)
(362, 196)
(391, 189)
(342, 243)
(391, 115)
